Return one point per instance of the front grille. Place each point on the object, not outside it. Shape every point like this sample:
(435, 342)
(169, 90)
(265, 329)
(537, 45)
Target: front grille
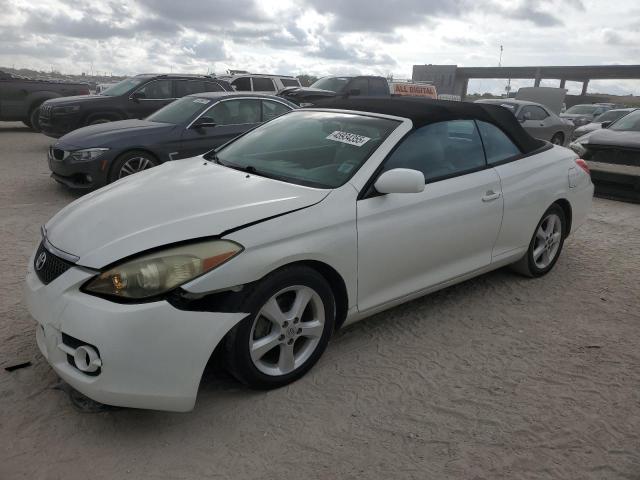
(45, 110)
(50, 266)
(613, 154)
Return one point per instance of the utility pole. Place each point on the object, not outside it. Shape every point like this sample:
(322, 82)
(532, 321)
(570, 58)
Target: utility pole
(500, 61)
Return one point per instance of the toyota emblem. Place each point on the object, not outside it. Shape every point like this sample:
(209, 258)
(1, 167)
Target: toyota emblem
(40, 261)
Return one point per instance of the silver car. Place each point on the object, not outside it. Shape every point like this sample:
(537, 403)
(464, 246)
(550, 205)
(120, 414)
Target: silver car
(537, 119)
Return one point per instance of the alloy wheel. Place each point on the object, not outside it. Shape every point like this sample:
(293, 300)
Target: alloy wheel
(134, 165)
(547, 241)
(287, 330)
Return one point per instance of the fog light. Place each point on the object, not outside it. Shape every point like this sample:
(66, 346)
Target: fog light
(86, 359)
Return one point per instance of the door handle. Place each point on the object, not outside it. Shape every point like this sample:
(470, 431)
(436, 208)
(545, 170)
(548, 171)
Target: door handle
(491, 196)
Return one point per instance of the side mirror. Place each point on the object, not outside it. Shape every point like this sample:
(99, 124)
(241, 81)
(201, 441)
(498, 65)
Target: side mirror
(400, 180)
(136, 96)
(605, 124)
(204, 122)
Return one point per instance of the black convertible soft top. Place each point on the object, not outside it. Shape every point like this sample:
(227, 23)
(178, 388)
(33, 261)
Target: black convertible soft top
(423, 111)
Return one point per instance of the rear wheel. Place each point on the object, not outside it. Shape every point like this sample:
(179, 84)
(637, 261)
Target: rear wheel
(558, 139)
(130, 163)
(291, 318)
(546, 244)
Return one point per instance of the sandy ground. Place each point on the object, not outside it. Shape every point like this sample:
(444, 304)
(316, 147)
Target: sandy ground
(500, 377)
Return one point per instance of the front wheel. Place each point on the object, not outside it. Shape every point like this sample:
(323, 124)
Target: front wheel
(558, 139)
(546, 244)
(130, 163)
(34, 119)
(292, 313)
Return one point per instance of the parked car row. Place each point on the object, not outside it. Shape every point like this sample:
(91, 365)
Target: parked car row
(263, 247)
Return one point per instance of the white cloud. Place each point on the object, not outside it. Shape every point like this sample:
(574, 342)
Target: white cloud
(314, 36)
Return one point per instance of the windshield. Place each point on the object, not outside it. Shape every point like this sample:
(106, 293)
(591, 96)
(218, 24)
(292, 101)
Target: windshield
(610, 116)
(318, 149)
(582, 109)
(180, 111)
(335, 84)
(122, 87)
(628, 123)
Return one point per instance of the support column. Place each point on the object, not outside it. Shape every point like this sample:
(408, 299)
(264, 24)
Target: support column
(585, 84)
(536, 83)
(563, 82)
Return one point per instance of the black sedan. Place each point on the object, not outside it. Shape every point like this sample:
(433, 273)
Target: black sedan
(96, 155)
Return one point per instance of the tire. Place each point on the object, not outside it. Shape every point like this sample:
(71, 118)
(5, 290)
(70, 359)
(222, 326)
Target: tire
(536, 262)
(558, 139)
(34, 119)
(27, 123)
(290, 348)
(131, 162)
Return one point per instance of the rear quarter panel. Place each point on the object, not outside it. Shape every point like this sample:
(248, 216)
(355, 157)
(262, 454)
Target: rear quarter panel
(529, 186)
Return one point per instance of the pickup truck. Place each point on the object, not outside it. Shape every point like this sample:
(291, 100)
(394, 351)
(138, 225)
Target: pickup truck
(20, 98)
(327, 88)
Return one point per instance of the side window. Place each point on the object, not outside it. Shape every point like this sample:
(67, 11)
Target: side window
(156, 90)
(378, 87)
(187, 87)
(439, 150)
(533, 112)
(212, 87)
(263, 85)
(272, 110)
(242, 84)
(359, 83)
(497, 145)
(290, 82)
(235, 112)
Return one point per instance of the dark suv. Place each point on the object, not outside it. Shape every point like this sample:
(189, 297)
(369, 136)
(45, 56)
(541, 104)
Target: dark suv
(135, 97)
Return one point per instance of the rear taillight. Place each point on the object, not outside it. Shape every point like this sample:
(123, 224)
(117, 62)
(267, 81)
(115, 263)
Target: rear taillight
(583, 165)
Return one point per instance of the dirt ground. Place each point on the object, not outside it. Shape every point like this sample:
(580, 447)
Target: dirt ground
(499, 377)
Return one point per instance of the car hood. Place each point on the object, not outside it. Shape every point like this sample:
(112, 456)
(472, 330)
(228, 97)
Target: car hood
(298, 93)
(589, 127)
(177, 201)
(612, 138)
(104, 134)
(574, 115)
(76, 99)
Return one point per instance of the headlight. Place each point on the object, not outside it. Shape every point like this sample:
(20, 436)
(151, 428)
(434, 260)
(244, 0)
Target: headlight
(87, 154)
(578, 148)
(65, 110)
(159, 272)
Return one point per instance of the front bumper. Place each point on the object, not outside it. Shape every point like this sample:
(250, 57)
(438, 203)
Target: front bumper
(152, 355)
(80, 175)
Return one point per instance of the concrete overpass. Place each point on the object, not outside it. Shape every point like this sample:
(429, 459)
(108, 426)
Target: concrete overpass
(454, 80)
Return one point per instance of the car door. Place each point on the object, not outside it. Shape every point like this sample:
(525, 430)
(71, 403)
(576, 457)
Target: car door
(537, 122)
(150, 97)
(410, 242)
(232, 117)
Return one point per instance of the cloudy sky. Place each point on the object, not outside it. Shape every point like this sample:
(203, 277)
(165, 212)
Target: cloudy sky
(318, 37)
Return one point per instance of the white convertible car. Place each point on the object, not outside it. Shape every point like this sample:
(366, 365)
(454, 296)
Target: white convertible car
(313, 220)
